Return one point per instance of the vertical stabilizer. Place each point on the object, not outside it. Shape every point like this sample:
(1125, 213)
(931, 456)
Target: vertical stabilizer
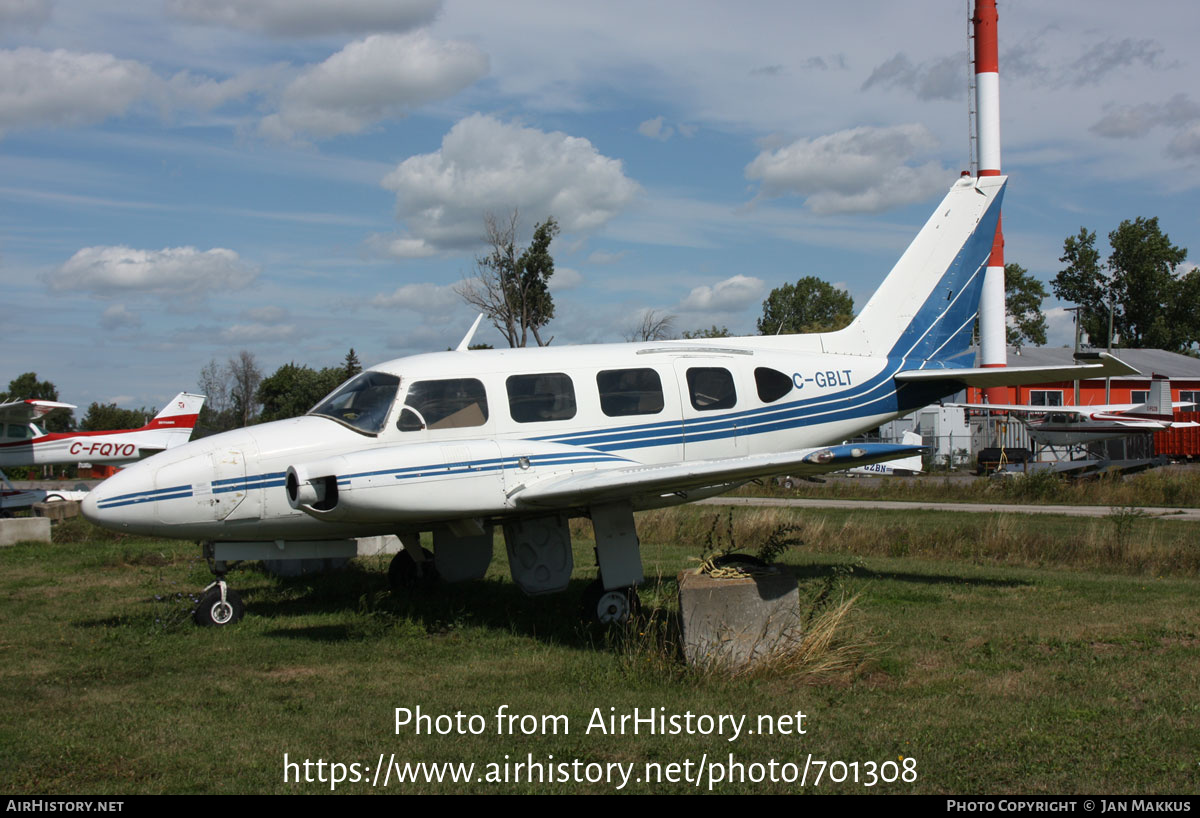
(180, 413)
(925, 309)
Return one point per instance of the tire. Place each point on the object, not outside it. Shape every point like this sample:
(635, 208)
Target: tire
(404, 573)
(53, 498)
(211, 613)
(610, 607)
(789, 483)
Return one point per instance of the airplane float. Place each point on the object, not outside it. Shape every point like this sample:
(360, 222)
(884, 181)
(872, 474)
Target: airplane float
(1079, 425)
(456, 443)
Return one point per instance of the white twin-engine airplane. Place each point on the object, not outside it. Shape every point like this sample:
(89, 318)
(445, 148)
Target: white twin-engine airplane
(23, 443)
(454, 443)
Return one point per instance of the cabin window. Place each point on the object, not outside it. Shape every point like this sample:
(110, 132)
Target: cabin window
(17, 432)
(711, 388)
(626, 392)
(456, 403)
(772, 384)
(1045, 397)
(535, 398)
(362, 403)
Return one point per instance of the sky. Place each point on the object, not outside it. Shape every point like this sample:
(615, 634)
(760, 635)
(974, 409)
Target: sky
(181, 180)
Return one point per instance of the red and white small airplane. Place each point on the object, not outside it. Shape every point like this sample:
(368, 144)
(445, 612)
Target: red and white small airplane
(1077, 425)
(24, 443)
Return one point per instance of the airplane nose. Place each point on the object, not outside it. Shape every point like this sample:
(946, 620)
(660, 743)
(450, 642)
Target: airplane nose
(120, 503)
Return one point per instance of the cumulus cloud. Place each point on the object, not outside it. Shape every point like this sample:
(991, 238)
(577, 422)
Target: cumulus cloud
(40, 88)
(1179, 113)
(565, 278)
(857, 170)
(267, 315)
(1106, 57)
(204, 93)
(942, 78)
(177, 273)
(258, 333)
(655, 129)
(732, 294)
(119, 317)
(382, 76)
(485, 165)
(422, 298)
(301, 18)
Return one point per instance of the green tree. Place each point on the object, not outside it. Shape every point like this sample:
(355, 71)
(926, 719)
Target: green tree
(511, 286)
(351, 366)
(292, 390)
(809, 305)
(28, 387)
(1152, 304)
(102, 417)
(1023, 297)
(712, 332)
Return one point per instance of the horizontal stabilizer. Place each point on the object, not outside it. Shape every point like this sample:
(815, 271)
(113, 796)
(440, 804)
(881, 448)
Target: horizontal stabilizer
(622, 481)
(1091, 366)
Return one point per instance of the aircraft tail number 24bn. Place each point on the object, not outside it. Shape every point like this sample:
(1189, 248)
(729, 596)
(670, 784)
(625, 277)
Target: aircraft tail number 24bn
(455, 443)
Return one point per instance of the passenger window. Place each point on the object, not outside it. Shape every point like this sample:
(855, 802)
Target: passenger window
(711, 388)
(772, 384)
(450, 404)
(626, 392)
(534, 398)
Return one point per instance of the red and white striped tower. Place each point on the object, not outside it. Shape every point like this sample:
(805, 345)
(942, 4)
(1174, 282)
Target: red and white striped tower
(992, 335)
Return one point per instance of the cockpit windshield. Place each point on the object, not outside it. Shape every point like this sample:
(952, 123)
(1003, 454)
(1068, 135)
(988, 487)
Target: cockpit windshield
(362, 403)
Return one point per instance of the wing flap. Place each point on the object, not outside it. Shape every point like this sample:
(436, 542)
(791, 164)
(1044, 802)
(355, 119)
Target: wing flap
(628, 481)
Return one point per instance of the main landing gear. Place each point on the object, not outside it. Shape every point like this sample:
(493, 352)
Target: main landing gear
(405, 572)
(614, 606)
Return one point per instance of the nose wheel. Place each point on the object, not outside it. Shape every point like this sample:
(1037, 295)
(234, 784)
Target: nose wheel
(219, 605)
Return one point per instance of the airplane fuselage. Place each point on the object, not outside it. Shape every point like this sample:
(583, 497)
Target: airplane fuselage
(455, 435)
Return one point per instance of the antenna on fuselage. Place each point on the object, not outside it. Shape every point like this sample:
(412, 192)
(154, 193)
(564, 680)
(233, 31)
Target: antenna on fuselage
(465, 343)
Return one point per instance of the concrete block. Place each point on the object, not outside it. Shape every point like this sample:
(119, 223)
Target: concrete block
(57, 510)
(737, 623)
(24, 529)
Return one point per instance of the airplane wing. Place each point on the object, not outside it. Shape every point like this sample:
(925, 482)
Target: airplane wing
(1020, 408)
(1098, 365)
(27, 411)
(622, 482)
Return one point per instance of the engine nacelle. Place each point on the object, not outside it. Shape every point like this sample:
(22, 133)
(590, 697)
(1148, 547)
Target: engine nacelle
(428, 482)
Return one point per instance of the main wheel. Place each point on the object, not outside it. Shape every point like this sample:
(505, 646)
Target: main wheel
(404, 572)
(609, 607)
(212, 612)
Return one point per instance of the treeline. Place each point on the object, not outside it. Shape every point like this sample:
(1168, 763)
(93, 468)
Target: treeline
(238, 394)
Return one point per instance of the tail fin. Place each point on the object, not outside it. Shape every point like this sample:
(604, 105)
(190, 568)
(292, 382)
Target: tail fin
(925, 309)
(1158, 404)
(180, 413)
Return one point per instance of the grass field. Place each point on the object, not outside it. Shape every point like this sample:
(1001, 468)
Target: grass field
(990, 667)
(1164, 487)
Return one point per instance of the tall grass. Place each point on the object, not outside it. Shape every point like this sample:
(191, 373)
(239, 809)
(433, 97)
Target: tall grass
(1121, 542)
(1158, 487)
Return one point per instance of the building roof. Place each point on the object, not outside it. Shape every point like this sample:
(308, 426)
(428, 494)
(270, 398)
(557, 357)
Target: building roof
(1146, 361)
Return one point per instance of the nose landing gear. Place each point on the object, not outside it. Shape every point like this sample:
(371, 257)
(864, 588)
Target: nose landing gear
(219, 605)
